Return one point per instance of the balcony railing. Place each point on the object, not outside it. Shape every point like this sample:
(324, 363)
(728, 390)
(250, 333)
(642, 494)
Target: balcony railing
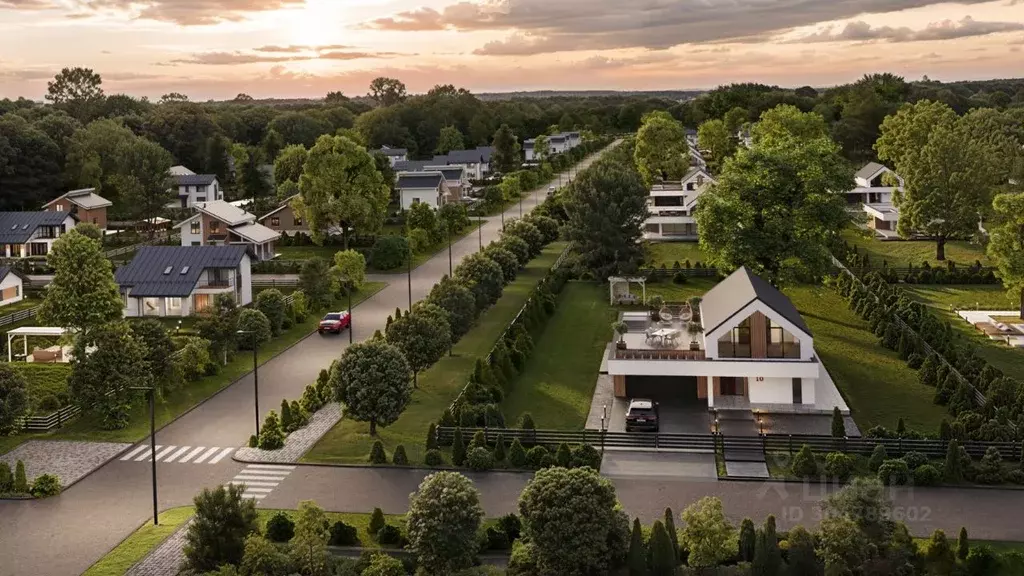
(215, 283)
(633, 354)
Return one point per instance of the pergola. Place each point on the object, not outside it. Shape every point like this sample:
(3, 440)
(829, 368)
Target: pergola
(618, 289)
(25, 332)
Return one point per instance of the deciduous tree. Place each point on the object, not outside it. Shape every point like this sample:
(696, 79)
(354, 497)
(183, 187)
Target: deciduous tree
(78, 91)
(82, 295)
(13, 398)
(308, 548)
(422, 336)
(484, 278)
(372, 380)
(101, 379)
(387, 91)
(349, 269)
(714, 137)
(506, 156)
(1006, 244)
(449, 139)
(442, 523)
(707, 533)
(290, 163)
(315, 281)
(661, 150)
(30, 165)
(217, 533)
(452, 296)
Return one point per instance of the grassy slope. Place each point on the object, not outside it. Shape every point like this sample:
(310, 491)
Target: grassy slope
(672, 292)
(141, 542)
(179, 402)
(1007, 359)
(349, 441)
(557, 385)
(877, 385)
(24, 304)
(668, 253)
(916, 252)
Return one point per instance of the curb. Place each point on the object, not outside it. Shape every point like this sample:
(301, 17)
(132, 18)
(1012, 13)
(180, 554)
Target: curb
(1010, 487)
(417, 468)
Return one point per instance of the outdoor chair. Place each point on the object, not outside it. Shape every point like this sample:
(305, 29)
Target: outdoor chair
(649, 335)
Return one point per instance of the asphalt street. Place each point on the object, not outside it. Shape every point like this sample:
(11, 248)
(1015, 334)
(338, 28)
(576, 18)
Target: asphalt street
(95, 514)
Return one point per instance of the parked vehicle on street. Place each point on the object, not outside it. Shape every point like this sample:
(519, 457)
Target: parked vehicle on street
(642, 414)
(334, 322)
(551, 190)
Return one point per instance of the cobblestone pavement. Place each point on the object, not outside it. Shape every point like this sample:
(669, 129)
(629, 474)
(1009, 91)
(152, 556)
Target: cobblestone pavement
(166, 559)
(68, 460)
(298, 442)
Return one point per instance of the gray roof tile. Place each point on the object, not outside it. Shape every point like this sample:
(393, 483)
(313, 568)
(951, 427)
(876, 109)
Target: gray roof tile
(195, 179)
(869, 170)
(420, 180)
(18, 227)
(741, 288)
(144, 275)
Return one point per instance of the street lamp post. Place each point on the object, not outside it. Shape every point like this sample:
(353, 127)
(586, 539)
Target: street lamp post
(449, 230)
(480, 231)
(349, 312)
(152, 441)
(255, 378)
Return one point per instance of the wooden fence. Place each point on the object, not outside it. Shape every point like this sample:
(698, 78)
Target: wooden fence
(18, 316)
(48, 422)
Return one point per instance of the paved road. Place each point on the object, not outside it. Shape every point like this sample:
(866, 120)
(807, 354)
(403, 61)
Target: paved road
(987, 514)
(98, 512)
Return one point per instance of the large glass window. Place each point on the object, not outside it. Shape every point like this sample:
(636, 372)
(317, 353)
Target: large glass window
(781, 344)
(195, 227)
(150, 306)
(174, 306)
(736, 342)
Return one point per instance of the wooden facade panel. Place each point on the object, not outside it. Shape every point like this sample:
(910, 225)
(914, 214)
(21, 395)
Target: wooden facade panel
(758, 335)
(702, 387)
(619, 385)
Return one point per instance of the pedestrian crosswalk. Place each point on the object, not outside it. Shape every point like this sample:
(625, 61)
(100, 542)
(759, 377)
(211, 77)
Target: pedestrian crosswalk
(261, 479)
(178, 454)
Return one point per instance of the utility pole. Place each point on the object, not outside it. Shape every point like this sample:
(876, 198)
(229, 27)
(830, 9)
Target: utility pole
(152, 444)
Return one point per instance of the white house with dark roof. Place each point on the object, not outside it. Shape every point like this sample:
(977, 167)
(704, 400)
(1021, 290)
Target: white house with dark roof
(32, 234)
(874, 186)
(557, 144)
(183, 280)
(755, 351)
(670, 207)
(193, 188)
(429, 188)
(84, 204)
(12, 287)
(477, 162)
(393, 154)
(219, 223)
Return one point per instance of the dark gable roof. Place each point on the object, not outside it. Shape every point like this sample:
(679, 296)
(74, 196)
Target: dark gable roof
(392, 151)
(741, 288)
(145, 273)
(413, 165)
(18, 227)
(4, 271)
(869, 170)
(420, 180)
(453, 174)
(195, 179)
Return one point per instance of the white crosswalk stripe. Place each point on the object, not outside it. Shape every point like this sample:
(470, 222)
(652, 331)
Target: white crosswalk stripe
(179, 454)
(261, 479)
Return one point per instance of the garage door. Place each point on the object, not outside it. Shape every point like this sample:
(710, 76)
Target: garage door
(677, 389)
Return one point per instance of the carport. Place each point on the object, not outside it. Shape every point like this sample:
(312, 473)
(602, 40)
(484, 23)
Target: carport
(679, 409)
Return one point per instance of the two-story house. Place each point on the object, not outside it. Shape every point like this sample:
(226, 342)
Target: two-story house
(670, 207)
(219, 223)
(430, 188)
(456, 180)
(393, 154)
(183, 280)
(557, 144)
(32, 234)
(194, 188)
(755, 351)
(284, 219)
(84, 204)
(874, 186)
(477, 162)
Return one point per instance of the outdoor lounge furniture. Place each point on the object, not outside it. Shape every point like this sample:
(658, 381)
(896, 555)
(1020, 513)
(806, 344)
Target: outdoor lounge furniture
(649, 334)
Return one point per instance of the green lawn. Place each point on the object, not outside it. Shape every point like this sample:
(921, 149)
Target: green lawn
(177, 403)
(307, 252)
(876, 384)
(668, 253)
(672, 292)
(941, 297)
(557, 384)
(916, 252)
(140, 543)
(349, 441)
(24, 304)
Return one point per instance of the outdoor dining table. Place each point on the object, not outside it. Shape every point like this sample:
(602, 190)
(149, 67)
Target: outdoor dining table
(664, 333)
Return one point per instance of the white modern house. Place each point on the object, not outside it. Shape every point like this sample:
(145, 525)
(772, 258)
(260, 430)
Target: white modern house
(219, 223)
(477, 162)
(194, 188)
(32, 234)
(670, 207)
(393, 154)
(557, 144)
(12, 288)
(754, 352)
(874, 186)
(430, 188)
(183, 280)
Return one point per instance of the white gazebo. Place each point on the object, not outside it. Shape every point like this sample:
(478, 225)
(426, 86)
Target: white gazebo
(56, 353)
(618, 290)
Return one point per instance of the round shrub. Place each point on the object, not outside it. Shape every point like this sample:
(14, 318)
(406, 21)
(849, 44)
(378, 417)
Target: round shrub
(878, 455)
(49, 403)
(343, 535)
(46, 485)
(838, 465)
(679, 278)
(376, 521)
(389, 535)
(535, 456)
(480, 459)
(915, 460)
(517, 455)
(433, 457)
(399, 458)
(377, 453)
(804, 464)
(1015, 476)
(548, 461)
(894, 472)
(256, 328)
(927, 475)
(526, 422)
(280, 528)
(389, 252)
(497, 539)
(914, 361)
(586, 455)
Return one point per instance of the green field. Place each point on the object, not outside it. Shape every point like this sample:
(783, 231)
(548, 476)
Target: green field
(905, 252)
(668, 253)
(941, 297)
(349, 441)
(558, 382)
(24, 304)
(878, 386)
(672, 292)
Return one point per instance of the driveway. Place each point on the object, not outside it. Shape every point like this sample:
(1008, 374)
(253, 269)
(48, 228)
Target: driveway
(677, 417)
(625, 463)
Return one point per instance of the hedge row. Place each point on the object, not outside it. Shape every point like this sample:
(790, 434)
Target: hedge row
(950, 273)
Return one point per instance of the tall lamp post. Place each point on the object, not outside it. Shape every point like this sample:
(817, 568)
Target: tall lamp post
(480, 231)
(349, 290)
(152, 441)
(255, 377)
(449, 230)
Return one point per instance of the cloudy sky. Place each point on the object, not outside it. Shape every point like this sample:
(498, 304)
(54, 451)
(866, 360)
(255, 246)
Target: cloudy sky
(299, 48)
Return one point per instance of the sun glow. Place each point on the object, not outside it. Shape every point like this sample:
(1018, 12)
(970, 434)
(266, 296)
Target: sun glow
(319, 22)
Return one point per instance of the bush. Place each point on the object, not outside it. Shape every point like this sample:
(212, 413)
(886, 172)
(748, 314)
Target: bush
(511, 526)
(497, 539)
(548, 461)
(1015, 476)
(399, 458)
(563, 457)
(838, 465)
(804, 464)
(915, 460)
(377, 453)
(535, 456)
(419, 240)
(376, 521)
(256, 328)
(499, 448)
(280, 528)
(389, 252)
(6, 478)
(389, 535)
(433, 457)
(927, 475)
(343, 535)
(458, 448)
(479, 459)
(878, 455)
(894, 472)
(254, 442)
(517, 454)
(586, 455)
(915, 361)
(990, 469)
(271, 303)
(526, 422)
(431, 443)
(46, 485)
(271, 435)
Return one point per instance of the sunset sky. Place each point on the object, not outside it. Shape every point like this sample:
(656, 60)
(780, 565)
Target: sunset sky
(305, 48)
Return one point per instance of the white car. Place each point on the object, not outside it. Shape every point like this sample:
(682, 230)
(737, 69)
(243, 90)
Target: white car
(551, 190)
